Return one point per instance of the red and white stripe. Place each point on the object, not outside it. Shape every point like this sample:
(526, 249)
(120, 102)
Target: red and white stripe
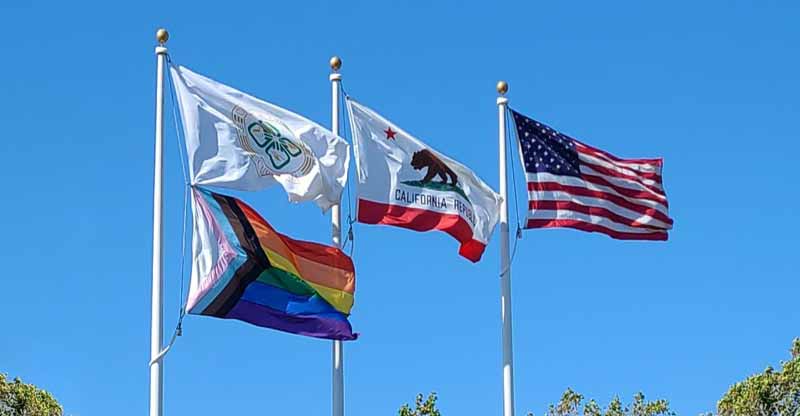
(622, 198)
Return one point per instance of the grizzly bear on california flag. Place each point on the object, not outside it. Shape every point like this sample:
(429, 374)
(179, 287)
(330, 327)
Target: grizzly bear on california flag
(427, 159)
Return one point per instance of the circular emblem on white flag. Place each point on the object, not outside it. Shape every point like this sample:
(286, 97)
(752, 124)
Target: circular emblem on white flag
(272, 146)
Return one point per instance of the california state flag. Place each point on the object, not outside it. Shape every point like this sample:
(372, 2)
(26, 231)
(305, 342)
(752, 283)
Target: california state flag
(405, 183)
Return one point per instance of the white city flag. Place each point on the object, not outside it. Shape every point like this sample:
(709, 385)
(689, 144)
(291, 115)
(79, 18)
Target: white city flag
(237, 141)
(405, 183)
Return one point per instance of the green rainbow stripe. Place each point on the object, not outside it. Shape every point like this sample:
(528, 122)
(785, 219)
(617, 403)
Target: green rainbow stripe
(271, 280)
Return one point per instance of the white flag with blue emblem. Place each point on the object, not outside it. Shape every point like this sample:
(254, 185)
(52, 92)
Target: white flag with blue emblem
(237, 141)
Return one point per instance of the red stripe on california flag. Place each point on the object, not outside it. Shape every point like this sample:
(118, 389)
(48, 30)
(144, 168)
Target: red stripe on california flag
(585, 226)
(616, 199)
(590, 210)
(417, 219)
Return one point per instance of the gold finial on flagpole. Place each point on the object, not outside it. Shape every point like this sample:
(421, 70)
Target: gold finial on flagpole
(336, 63)
(502, 87)
(162, 36)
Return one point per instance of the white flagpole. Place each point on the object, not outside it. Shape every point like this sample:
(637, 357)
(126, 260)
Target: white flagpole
(336, 234)
(505, 266)
(157, 302)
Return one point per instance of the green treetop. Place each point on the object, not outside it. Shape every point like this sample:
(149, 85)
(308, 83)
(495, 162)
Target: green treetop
(771, 393)
(21, 399)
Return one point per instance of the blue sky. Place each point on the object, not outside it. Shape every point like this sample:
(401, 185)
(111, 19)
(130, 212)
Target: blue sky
(710, 86)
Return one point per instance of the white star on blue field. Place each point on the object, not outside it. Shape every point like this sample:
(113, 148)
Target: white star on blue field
(544, 149)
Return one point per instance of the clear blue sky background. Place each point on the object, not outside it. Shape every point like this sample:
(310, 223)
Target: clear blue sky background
(711, 86)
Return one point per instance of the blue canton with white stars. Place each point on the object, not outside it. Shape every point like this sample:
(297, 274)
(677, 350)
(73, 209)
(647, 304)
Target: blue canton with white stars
(544, 149)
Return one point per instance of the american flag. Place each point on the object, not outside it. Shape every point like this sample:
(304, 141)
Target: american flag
(574, 185)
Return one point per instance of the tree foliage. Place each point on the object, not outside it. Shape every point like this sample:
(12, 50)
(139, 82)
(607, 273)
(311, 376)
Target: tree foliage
(422, 407)
(769, 393)
(574, 404)
(21, 399)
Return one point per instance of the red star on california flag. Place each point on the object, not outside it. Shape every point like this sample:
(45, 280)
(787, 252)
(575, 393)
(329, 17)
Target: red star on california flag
(390, 133)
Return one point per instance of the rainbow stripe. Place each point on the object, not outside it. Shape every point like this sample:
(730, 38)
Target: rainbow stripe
(268, 279)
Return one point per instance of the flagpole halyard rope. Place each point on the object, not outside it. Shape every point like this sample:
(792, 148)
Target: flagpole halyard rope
(181, 155)
(182, 269)
(510, 139)
(178, 130)
(345, 128)
(518, 234)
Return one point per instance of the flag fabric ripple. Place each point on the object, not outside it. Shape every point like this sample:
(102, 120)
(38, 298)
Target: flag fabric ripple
(406, 183)
(243, 269)
(237, 141)
(574, 185)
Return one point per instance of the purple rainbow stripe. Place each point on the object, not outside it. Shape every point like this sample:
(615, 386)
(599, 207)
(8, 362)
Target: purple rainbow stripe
(246, 286)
